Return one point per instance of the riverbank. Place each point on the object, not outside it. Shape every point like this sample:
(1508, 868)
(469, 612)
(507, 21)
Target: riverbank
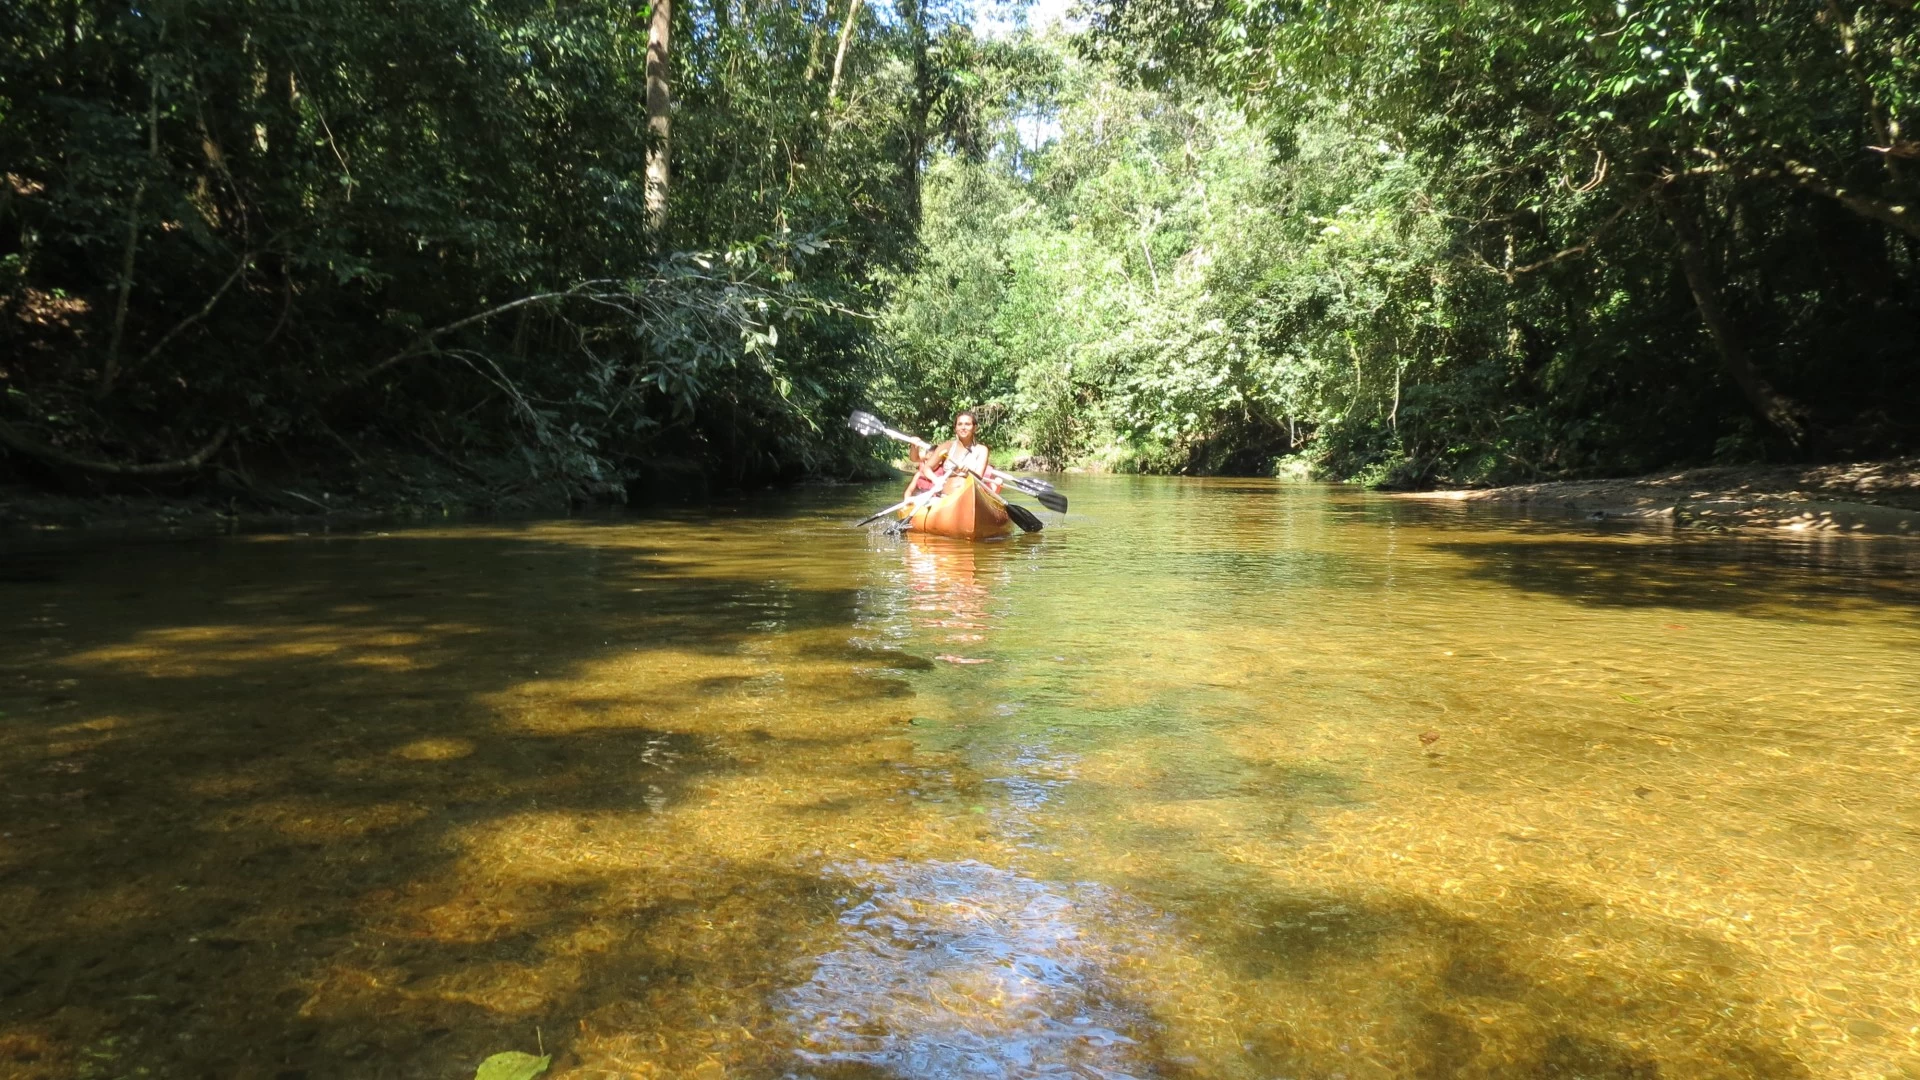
(1879, 498)
(381, 486)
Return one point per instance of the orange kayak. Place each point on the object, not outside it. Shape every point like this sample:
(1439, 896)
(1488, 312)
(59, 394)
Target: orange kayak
(963, 509)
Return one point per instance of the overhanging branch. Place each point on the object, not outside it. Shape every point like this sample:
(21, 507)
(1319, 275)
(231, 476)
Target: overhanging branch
(1580, 248)
(1897, 215)
(424, 343)
(13, 439)
(205, 310)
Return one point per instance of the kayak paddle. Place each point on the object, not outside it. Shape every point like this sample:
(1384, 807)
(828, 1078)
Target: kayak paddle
(1046, 494)
(902, 504)
(1023, 517)
(868, 424)
(883, 513)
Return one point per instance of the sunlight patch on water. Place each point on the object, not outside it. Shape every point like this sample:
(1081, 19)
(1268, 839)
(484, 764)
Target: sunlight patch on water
(963, 970)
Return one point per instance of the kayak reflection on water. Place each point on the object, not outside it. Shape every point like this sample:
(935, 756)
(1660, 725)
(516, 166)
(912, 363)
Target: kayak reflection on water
(948, 599)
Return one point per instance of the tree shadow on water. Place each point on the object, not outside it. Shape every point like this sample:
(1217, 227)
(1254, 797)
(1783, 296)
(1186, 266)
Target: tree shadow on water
(1370, 982)
(1729, 575)
(1364, 976)
(379, 808)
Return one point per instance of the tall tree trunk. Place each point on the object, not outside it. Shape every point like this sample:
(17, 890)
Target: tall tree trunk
(1773, 406)
(840, 54)
(110, 371)
(915, 14)
(69, 37)
(659, 120)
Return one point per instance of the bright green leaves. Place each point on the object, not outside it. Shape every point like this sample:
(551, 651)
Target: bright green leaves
(1155, 289)
(512, 1065)
(1544, 130)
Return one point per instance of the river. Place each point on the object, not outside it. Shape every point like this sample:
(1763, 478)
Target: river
(1212, 779)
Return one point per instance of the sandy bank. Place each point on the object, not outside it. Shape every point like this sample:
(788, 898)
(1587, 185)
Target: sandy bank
(1880, 498)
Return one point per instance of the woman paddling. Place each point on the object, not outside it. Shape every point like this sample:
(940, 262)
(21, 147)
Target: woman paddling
(956, 454)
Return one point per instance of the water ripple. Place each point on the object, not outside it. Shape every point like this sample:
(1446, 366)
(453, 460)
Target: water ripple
(962, 969)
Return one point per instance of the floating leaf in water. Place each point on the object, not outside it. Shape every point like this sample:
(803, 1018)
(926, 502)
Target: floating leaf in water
(512, 1065)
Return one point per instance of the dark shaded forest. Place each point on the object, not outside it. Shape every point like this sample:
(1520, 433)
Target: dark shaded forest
(599, 248)
(241, 238)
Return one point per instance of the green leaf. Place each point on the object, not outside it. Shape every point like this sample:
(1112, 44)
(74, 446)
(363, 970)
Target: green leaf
(512, 1065)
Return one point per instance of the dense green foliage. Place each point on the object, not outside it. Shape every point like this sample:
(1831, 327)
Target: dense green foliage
(1410, 240)
(274, 225)
(1457, 241)
(1155, 289)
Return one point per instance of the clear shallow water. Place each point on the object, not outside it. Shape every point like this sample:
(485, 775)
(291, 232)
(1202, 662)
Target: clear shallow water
(1214, 779)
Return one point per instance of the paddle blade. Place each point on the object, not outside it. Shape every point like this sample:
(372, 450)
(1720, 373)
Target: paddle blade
(1025, 518)
(883, 513)
(1048, 495)
(866, 423)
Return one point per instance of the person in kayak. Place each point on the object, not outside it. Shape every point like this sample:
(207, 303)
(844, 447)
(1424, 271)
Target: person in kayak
(959, 452)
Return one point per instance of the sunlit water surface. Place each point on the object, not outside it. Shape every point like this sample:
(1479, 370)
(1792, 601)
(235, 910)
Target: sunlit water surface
(1212, 779)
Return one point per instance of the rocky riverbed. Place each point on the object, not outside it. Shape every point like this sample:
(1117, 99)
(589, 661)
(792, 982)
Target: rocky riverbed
(1870, 498)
